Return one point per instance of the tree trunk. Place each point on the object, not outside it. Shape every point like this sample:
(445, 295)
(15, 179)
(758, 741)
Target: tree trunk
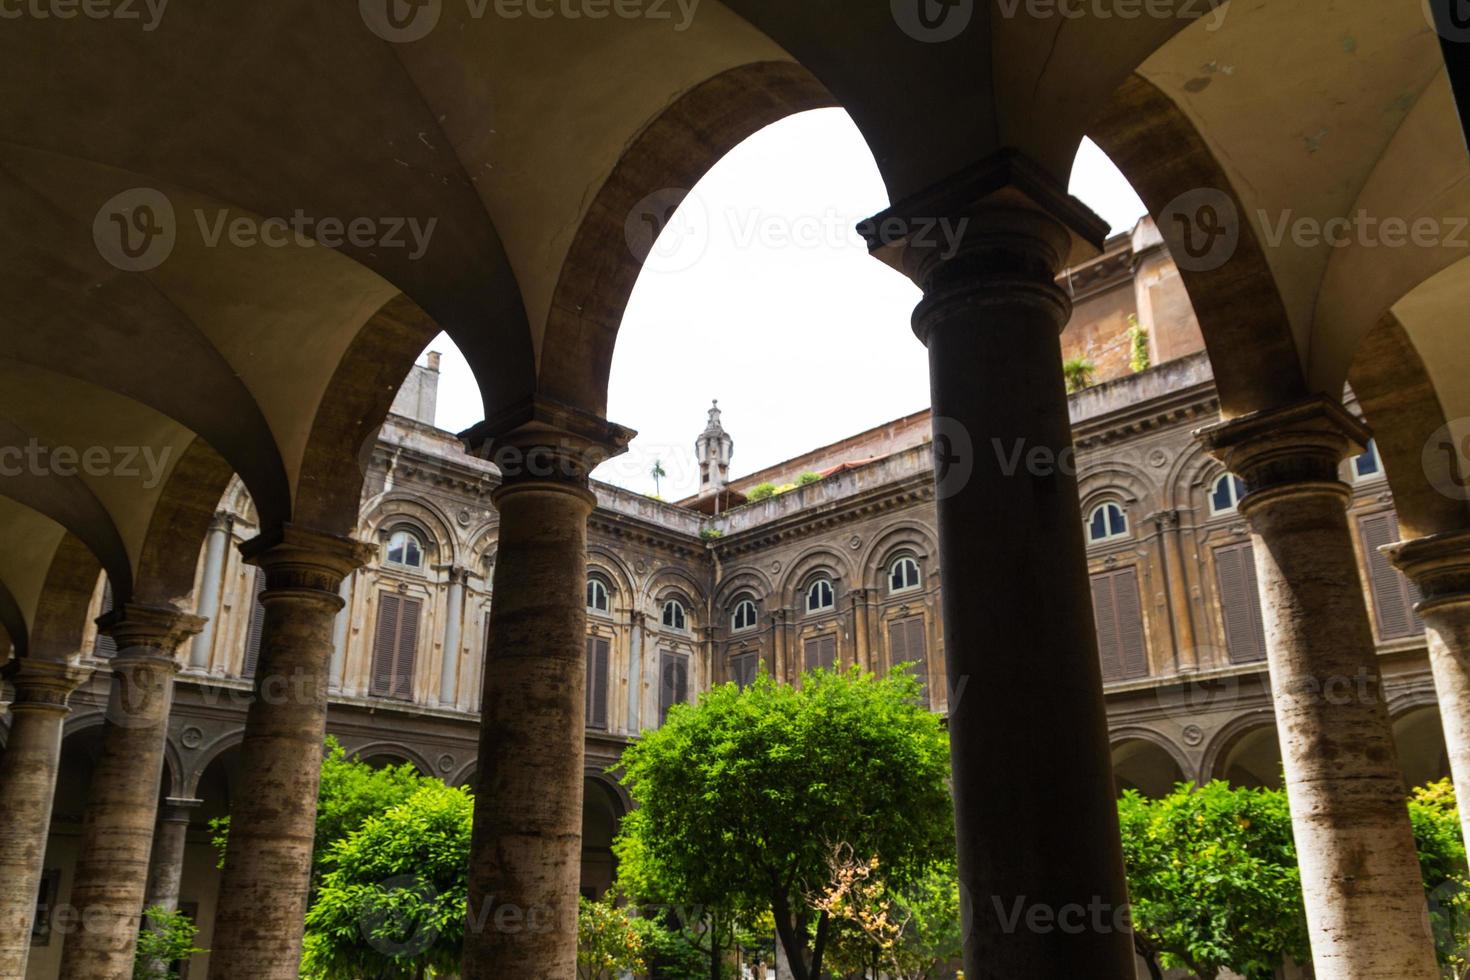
(714, 946)
(786, 935)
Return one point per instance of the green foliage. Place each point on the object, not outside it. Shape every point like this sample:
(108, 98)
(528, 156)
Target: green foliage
(166, 938)
(1436, 821)
(393, 903)
(1213, 879)
(761, 491)
(611, 940)
(1138, 355)
(1078, 373)
(740, 797)
(807, 479)
(909, 935)
(711, 534)
(658, 474)
(351, 791)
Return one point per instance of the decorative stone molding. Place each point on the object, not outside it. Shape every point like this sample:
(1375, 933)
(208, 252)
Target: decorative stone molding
(1289, 450)
(146, 631)
(1439, 565)
(42, 684)
(301, 560)
(542, 440)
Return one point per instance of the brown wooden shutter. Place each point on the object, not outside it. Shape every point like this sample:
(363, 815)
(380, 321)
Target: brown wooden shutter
(406, 652)
(385, 643)
(255, 627)
(1121, 642)
(673, 685)
(1240, 603)
(906, 644)
(597, 665)
(821, 652)
(744, 668)
(1394, 596)
(106, 646)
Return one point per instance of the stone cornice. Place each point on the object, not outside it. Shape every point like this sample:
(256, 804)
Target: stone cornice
(43, 684)
(1297, 448)
(300, 559)
(908, 492)
(1439, 565)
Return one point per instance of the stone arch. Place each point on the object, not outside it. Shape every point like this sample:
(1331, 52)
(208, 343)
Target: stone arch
(466, 774)
(1400, 403)
(1191, 478)
(1418, 734)
(61, 617)
(615, 569)
(369, 751)
(179, 524)
(1243, 749)
(14, 636)
(1241, 312)
(673, 583)
(748, 579)
(905, 537)
(1147, 761)
(353, 409)
(665, 160)
(1113, 479)
(206, 755)
(420, 514)
(817, 559)
(480, 553)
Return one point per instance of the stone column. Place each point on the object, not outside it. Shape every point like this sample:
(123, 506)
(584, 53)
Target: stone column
(1360, 876)
(262, 899)
(215, 550)
(122, 800)
(1034, 800)
(635, 673)
(525, 857)
(778, 646)
(27, 787)
(862, 651)
(453, 615)
(166, 868)
(339, 634)
(1440, 566)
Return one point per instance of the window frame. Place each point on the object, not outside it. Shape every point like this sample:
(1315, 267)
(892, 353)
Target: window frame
(813, 586)
(895, 565)
(413, 535)
(1377, 472)
(755, 615)
(1111, 535)
(1237, 494)
(681, 624)
(598, 582)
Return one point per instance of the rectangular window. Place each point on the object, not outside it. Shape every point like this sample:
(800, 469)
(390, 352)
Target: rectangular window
(255, 628)
(821, 651)
(906, 644)
(1119, 614)
(673, 685)
(1394, 596)
(106, 646)
(1240, 603)
(744, 668)
(395, 646)
(597, 664)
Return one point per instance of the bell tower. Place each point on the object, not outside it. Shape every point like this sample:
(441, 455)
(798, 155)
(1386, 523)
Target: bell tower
(714, 447)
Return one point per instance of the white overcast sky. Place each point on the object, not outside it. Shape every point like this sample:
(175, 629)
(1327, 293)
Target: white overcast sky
(770, 303)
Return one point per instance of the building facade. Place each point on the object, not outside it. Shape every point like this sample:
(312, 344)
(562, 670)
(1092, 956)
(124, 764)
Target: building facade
(837, 571)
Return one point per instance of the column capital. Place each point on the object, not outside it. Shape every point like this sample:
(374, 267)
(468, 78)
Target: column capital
(1288, 450)
(222, 521)
(143, 631)
(43, 684)
(1439, 565)
(301, 559)
(544, 441)
(176, 809)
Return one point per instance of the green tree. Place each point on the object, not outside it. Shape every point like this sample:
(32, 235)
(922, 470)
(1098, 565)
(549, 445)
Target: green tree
(1436, 820)
(167, 938)
(658, 474)
(741, 797)
(350, 792)
(1078, 373)
(1213, 879)
(392, 906)
(907, 936)
(761, 491)
(609, 939)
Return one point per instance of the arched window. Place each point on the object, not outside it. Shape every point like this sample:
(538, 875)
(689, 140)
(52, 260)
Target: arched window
(597, 600)
(1225, 497)
(1108, 523)
(746, 615)
(405, 550)
(1368, 464)
(674, 616)
(903, 575)
(820, 595)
